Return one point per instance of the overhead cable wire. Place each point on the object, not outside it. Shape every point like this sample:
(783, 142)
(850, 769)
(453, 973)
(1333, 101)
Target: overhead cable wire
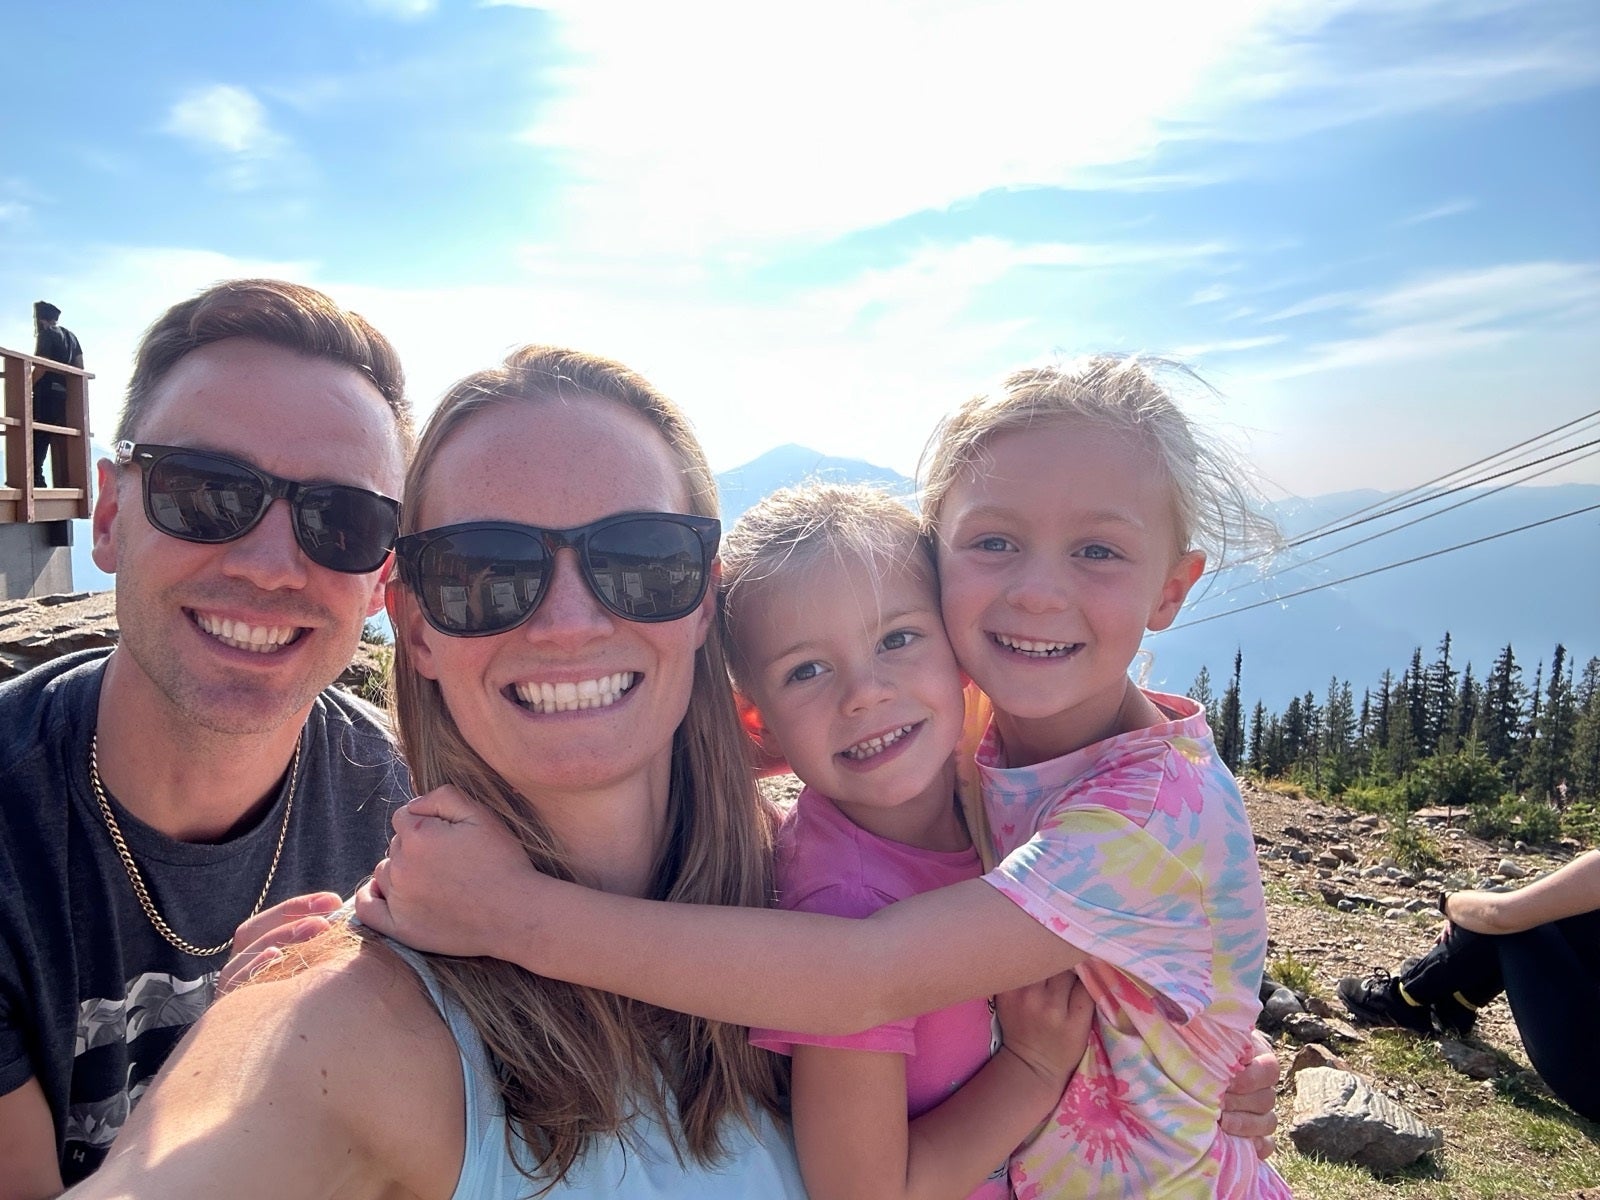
(1354, 519)
(1387, 567)
(1387, 501)
(1305, 562)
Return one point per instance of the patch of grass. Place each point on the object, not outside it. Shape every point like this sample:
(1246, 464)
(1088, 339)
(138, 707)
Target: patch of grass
(1395, 1054)
(1281, 891)
(1283, 787)
(1504, 1142)
(374, 688)
(1294, 974)
(1373, 798)
(1530, 820)
(1411, 847)
(1581, 821)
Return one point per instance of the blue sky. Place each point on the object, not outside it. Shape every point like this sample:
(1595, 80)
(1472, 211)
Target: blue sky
(1375, 227)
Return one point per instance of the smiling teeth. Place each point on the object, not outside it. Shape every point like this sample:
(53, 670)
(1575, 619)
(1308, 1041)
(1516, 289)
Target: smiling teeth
(571, 696)
(261, 639)
(877, 745)
(1036, 649)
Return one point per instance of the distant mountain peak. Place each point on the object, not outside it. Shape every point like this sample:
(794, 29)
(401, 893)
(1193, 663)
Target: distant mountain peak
(791, 464)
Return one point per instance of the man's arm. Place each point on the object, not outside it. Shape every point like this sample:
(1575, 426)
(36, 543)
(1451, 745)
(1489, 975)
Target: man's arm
(28, 1166)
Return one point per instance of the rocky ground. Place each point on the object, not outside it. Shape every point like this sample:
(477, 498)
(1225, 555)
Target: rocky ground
(1340, 903)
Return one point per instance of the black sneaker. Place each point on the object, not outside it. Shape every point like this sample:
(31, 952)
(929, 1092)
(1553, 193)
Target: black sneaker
(1377, 1001)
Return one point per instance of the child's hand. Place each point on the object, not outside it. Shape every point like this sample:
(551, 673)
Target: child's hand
(262, 938)
(1247, 1105)
(1046, 1025)
(453, 867)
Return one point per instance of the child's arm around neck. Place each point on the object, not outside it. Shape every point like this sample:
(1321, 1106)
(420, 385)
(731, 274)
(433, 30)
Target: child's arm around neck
(746, 966)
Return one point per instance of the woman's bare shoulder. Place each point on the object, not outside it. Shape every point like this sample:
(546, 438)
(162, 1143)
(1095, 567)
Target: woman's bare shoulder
(358, 1011)
(340, 1070)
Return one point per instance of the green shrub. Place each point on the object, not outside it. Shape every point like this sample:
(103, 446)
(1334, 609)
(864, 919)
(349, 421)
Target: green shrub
(1371, 796)
(1527, 820)
(1582, 822)
(1293, 974)
(1460, 780)
(1411, 847)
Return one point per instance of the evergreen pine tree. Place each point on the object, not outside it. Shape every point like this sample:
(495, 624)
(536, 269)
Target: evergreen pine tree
(1500, 711)
(1439, 698)
(1550, 754)
(1379, 737)
(1585, 778)
(1463, 713)
(1258, 738)
(1416, 704)
(1338, 737)
(1200, 692)
(1230, 724)
(1528, 730)
(1401, 748)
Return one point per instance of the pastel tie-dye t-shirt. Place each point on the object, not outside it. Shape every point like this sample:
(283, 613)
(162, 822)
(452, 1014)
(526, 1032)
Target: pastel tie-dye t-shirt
(1137, 850)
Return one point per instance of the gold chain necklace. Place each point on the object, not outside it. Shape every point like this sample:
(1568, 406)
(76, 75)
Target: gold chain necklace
(132, 868)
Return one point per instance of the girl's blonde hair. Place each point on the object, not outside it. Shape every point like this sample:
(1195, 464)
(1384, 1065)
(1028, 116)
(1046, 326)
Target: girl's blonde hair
(574, 1064)
(856, 522)
(1213, 499)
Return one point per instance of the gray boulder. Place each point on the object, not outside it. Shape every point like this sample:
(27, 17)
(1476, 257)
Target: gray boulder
(1341, 1118)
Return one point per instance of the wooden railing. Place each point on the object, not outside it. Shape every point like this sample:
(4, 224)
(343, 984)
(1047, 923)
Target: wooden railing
(20, 500)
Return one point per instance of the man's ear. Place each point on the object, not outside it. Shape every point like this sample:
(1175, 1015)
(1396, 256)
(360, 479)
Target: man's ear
(102, 542)
(1185, 572)
(405, 614)
(379, 600)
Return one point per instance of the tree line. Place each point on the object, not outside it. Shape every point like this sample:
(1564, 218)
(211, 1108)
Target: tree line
(1431, 735)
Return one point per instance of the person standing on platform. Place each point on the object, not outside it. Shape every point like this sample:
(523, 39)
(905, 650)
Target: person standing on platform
(59, 344)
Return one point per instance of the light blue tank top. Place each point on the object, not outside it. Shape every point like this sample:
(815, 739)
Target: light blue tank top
(759, 1165)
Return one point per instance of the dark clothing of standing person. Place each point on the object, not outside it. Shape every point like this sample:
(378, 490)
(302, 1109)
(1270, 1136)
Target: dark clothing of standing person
(58, 344)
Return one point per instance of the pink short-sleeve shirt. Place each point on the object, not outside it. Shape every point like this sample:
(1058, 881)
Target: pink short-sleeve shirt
(1138, 851)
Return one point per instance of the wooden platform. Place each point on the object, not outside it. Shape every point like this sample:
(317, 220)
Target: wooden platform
(20, 501)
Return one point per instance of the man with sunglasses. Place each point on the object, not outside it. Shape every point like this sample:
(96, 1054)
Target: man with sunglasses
(157, 797)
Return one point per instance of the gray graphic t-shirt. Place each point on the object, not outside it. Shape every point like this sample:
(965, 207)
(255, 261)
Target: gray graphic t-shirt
(92, 999)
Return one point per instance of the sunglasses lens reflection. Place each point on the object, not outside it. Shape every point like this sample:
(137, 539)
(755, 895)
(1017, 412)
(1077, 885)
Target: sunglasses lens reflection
(210, 498)
(488, 578)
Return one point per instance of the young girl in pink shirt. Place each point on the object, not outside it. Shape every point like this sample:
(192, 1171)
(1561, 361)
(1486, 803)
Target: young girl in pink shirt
(845, 673)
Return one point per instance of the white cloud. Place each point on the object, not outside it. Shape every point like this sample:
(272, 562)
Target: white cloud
(1450, 208)
(405, 10)
(694, 132)
(222, 117)
(1326, 302)
(1234, 346)
(717, 124)
(1211, 295)
(231, 124)
(12, 210)
(1444, 316)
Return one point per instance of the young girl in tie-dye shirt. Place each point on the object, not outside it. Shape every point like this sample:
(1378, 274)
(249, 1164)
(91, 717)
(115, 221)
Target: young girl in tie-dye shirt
(1068, 512)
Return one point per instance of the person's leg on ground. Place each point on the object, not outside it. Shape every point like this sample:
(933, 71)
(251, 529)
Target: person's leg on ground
(1552, 976)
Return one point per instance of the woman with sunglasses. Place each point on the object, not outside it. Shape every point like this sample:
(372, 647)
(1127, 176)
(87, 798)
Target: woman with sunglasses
(558, 661)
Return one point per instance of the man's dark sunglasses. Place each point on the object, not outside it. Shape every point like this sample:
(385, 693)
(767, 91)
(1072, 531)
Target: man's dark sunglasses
(204, 496)
(486, 577)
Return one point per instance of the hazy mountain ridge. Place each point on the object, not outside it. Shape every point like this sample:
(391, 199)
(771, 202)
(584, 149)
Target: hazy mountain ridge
(1531, 589)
